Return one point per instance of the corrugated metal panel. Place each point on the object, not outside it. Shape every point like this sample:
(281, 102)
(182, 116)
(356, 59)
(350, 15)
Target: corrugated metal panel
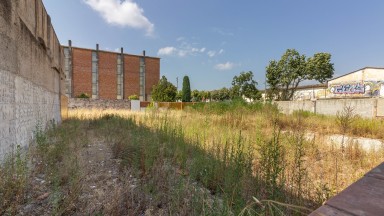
(364, 197)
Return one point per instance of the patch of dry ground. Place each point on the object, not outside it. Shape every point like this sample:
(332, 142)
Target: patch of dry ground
(103, 185)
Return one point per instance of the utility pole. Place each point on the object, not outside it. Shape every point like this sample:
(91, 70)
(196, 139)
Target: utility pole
(177, 83)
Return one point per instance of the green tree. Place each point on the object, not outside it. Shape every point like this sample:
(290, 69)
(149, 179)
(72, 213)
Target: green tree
(164, 91)
(319, 67)
(285, 75)
(186, 91)
(196, 95)
(244, 85)
(179, 95)
(221, 94)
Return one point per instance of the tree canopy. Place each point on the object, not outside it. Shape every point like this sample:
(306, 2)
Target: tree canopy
(285, 75)
(164, 91)
(244, 85)
(186, 91)
(220, 94)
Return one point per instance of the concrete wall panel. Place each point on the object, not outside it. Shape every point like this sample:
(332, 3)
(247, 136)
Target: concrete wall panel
(289, 106)
(380, 107)
(29, 85)
(366, 107)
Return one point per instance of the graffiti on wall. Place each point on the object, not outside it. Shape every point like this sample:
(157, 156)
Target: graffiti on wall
(368, 88)
(373, 88)
(357, 88)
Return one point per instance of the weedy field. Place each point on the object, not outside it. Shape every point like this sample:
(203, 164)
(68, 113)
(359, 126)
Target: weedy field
(211, 159)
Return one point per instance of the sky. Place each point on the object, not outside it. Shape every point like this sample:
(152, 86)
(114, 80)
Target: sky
(211, 41)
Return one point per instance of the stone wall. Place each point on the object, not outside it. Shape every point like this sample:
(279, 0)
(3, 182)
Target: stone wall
(76, 103)
(30, 72)
(365, 107)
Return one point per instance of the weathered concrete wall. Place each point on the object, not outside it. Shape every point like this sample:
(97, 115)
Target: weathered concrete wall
(76, 103)
(289, 106)
(30, 72)
(366, 107)
(380, 108)
(363, 107)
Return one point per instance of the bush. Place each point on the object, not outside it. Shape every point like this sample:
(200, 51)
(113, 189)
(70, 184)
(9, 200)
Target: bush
(83, 95)
(133, 97)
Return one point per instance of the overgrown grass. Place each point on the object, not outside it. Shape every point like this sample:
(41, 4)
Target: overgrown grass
(216, 159)
(53, 158)
(237, 153)
(13, 181)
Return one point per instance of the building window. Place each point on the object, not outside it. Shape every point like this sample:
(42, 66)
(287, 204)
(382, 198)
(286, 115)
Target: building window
(142, 79)
(95, 75)
(120, 76)
(67, 72)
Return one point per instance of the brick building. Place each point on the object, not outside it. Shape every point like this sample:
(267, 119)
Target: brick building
(109, 75)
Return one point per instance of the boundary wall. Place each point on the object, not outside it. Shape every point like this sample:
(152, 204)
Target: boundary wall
(85, 103)
(30, 72)
(364, 107)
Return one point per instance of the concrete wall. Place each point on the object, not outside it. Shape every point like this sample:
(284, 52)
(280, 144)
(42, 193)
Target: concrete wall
(76, 103)
(363, 107)
(289, 106)
(30, 72)
(366, 107)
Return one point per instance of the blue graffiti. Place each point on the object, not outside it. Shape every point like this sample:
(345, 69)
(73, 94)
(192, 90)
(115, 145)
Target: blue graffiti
(349, 89)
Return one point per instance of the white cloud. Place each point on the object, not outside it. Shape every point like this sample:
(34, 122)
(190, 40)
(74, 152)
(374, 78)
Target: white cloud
(211, 53)
(122, 13)
(167, 51)
(195, 49)
(223, 32)
(186, 48)
(225, 66)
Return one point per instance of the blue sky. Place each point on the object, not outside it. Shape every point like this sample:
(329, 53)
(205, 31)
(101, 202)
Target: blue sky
(211, 41)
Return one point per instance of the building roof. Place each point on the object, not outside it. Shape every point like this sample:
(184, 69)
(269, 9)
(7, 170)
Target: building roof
(320, 85)
(356, 71)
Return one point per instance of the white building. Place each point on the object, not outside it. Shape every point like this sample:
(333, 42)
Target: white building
(366, 82)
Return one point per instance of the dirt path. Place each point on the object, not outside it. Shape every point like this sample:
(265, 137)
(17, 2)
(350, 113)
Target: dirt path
(104, 188)
(101, 178)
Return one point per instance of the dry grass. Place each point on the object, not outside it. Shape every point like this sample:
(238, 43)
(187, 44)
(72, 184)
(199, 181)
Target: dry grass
(312, 171)
(203, 161)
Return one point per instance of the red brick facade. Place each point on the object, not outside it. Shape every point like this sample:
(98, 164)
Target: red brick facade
(131, 76)
(82, 72)
(107, 73)
(152, 75)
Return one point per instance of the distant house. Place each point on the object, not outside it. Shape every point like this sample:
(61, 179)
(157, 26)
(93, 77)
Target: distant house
(365, 82)
(310, 92)
(307, 92)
